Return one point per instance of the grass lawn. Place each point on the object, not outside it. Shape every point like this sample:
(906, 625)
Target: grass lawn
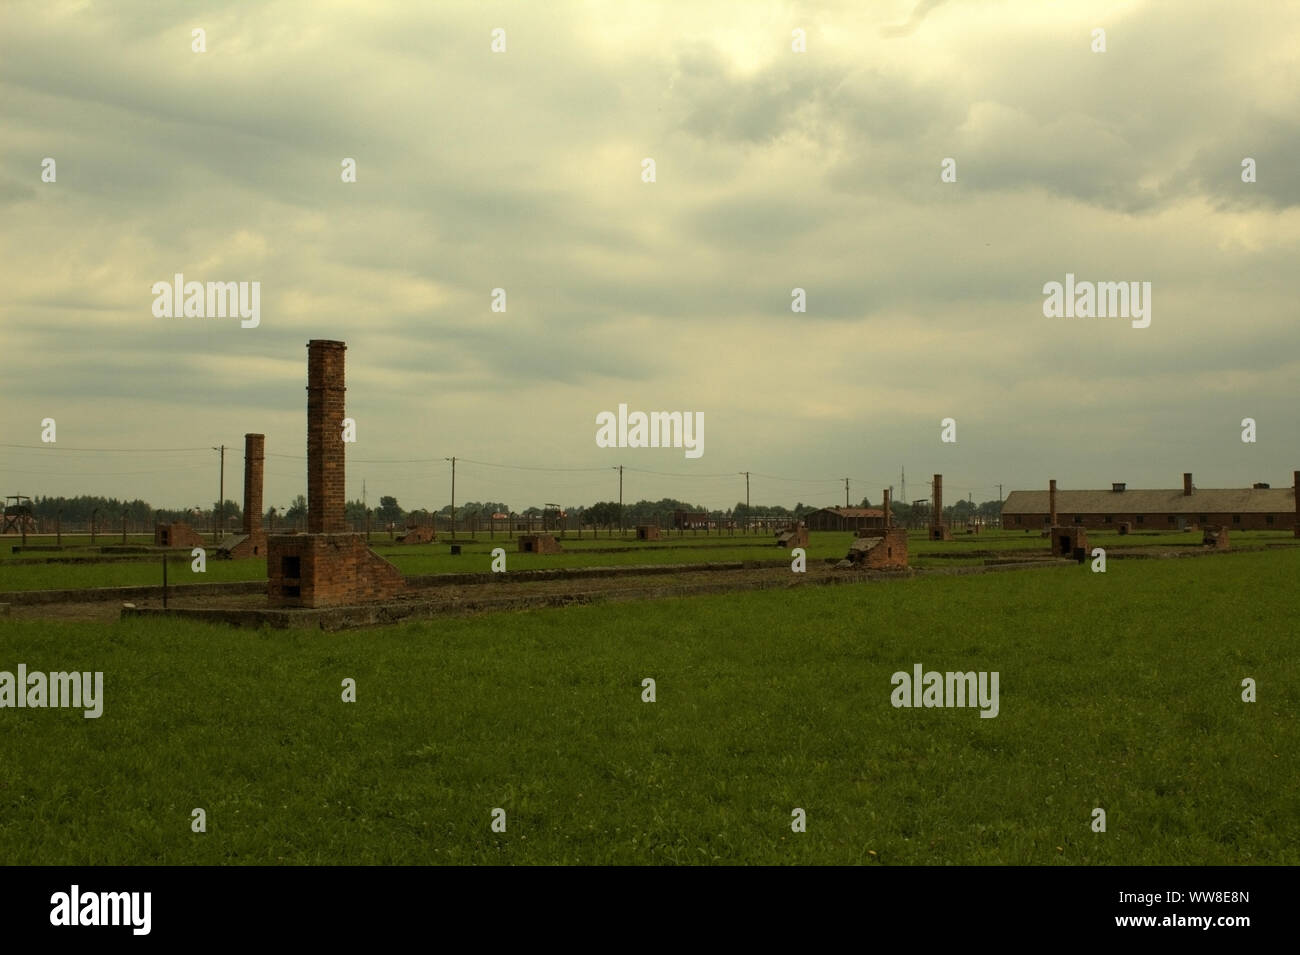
(1120, 691)
(23, 572)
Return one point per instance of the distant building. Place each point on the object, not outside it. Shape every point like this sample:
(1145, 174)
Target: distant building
(845, 519)
(691, 520)
(1258, 508)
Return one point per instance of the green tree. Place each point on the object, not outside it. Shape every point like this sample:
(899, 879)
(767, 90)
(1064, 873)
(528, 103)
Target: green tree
(388, 512)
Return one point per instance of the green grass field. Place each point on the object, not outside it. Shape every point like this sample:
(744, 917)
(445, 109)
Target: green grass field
(25, 572)
(1120, 691)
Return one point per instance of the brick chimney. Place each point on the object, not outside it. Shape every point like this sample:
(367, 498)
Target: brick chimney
(325, 461)
(889, 522)
(937, 518)
(254, 459)
(1051, 503)
(1187, 484)
(1295, 492)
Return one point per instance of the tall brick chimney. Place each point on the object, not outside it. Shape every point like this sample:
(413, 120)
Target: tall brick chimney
(1051, 503)
(325, 470)
(1295, 491)
(937, 518)
(1187, 484)
(889, 522)
(254, 459)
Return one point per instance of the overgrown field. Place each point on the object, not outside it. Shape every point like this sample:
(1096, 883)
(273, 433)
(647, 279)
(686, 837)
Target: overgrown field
(1119, 691)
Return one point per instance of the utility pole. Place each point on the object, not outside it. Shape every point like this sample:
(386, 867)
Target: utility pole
(746, 473)
(453, 495)
(846, 492)
(902, 472)
(221, 495)
(620, 500)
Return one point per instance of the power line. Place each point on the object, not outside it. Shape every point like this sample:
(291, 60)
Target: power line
(55, 447)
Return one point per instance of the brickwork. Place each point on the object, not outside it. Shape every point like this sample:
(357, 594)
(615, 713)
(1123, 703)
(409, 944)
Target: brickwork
(325, 457)
(647, 532)
(1069, 541)
(883, 549)
(1111, 521)
(327, 570)
(253, 541)
(419, 534)
(327, 566)
(538, 544)
(1215, 537)
(254, 460)
(244, 546)
(796, 536)
(939, 530)
(177, 534)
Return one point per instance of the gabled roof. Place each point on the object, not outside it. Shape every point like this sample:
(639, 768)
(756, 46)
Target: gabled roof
(851, 511)
(1233, 500)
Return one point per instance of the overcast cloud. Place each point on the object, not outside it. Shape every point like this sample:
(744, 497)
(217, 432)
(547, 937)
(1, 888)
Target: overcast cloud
(775, 170)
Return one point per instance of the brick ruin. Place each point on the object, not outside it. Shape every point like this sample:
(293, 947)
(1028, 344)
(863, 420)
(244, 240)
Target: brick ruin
(176, 534)
(647, 532)
(796, 536)
(1071, 541)
(328, 566)
(252, 542)
(418, 534)
(538, 544)
(877, 549)
(1215, 538)
(939, 530)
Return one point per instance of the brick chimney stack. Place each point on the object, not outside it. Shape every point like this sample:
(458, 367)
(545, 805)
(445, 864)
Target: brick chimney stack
(1295, 491)
(254, 460)
(1187, 484)
(888, 519)
(937, 518)
(325, 459)
(1051, 503)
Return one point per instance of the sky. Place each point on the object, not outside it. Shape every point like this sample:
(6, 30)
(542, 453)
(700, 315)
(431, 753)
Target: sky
(774, 169)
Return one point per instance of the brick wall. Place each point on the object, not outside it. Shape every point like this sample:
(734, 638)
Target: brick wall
(419, 534)
(1071, 541)
(538, 544)
(883, 549)
(1154, 522)
(325, 458)
(938, 527)
(796, 536)
(254, 459)
(327, 570)
(176, 535)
